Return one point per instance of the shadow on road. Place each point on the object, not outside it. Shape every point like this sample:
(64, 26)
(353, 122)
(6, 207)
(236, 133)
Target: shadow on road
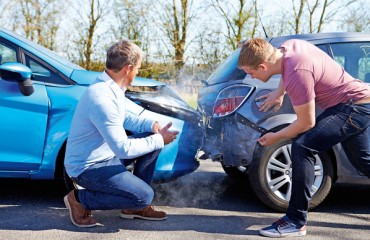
(38, 205)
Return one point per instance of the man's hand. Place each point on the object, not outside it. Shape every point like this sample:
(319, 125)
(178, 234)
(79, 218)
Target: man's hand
(168, 136)
(273, 99)
(269, 139)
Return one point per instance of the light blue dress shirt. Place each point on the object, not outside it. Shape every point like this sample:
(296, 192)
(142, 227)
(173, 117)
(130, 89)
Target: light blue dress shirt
(97, 131)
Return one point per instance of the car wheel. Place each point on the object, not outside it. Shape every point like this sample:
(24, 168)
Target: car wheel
(236, 173)
(271, 177)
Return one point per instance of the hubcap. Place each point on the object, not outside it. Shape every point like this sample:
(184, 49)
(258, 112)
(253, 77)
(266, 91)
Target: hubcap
(279, 173)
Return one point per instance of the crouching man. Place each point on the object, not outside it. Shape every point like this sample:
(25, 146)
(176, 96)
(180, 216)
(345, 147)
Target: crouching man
(98, 148)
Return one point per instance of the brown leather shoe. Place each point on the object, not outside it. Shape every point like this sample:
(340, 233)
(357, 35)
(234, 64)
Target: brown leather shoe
(79, 215)
(147, 213)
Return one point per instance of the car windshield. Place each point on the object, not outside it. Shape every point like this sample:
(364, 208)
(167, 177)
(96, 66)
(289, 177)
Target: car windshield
(228, 70)
(40, 48)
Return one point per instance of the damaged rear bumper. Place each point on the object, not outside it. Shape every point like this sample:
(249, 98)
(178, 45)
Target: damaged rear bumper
(230, 140)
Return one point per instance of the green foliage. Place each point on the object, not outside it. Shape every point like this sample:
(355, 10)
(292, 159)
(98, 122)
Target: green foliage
(160, 71)
(98, 66)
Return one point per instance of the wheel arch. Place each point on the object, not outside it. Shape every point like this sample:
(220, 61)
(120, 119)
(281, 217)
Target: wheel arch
(257, 152)
(258, 149)
(59, 165)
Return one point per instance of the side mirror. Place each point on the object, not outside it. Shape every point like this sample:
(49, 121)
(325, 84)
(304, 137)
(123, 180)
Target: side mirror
(17, 72)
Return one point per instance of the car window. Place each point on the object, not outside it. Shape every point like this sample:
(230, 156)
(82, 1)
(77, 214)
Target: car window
(323, 47)
(228, 70)
(354, 58)
(7, 54)
(43, 73)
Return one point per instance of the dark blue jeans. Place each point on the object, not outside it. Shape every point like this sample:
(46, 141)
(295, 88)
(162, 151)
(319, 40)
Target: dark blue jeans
(344, 123)
(109, 185)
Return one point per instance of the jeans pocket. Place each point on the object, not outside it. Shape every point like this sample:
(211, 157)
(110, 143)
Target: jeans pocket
(362, 110)
(354, 124)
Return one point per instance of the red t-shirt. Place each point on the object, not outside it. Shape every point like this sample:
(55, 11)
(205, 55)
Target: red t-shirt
(309, 73)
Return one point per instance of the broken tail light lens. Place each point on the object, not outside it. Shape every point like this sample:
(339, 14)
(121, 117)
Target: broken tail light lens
(230, 99)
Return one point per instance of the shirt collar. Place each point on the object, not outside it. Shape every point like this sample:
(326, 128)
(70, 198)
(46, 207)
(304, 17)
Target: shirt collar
(111, 83)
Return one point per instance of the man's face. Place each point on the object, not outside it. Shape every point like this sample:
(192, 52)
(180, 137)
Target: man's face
(261, 72)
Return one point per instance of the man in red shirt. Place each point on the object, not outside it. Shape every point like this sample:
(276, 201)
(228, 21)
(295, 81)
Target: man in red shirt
(311, 78)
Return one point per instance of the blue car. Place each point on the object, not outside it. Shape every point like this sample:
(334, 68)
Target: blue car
(38, 94)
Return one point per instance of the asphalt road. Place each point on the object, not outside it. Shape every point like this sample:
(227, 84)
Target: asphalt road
(206, 204)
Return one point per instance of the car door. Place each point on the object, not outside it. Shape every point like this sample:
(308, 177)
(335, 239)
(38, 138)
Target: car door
(23, 121)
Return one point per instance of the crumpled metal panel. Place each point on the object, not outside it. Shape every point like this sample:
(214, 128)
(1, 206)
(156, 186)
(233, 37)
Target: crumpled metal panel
(230, 141)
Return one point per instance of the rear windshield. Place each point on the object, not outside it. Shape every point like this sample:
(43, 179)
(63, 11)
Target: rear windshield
(228, 70)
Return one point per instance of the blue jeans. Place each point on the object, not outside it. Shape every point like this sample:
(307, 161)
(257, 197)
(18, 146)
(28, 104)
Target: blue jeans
(109, 185)
(344, 123)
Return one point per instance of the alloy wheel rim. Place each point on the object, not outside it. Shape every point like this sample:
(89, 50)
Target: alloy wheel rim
(279, 173)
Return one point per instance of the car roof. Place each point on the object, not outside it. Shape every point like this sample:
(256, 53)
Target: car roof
(318, 38)
(68, 68)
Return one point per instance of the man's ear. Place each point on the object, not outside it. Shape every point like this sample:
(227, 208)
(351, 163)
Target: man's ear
(263, 66)
(127, 68)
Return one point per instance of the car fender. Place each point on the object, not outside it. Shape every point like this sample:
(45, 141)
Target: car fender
(277, 121)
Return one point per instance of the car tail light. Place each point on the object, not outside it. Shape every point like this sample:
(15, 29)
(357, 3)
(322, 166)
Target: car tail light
(230, 99)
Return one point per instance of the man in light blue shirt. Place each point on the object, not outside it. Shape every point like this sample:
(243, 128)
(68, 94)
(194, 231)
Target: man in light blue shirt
(98, 148)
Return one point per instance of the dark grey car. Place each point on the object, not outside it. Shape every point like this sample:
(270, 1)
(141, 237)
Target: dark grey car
(233, 123)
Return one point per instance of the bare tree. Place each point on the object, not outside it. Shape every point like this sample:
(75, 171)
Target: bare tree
(278, 24)
(5, 6)
(298, 13)
(210, 48)
(314, 15)
(39, 20)
(177, 29)
(87, 21)
(133, 22)
(175, 19)
(240, 19)
(325, 11)
(208, 52)
(357, 18)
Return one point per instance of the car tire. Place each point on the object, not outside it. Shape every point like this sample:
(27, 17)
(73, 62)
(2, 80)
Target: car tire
(236, 173)
(271, 169)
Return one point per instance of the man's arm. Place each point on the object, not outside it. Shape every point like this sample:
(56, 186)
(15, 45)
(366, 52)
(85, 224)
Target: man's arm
(305, 121)
(106, 117)
(134, 122)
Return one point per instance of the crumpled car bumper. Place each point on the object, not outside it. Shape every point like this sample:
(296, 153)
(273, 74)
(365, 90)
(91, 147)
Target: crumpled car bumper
(229, 141)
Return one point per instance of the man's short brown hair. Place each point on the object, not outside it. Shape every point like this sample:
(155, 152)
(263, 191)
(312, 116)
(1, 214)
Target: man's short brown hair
(254, 52)
(123, 53)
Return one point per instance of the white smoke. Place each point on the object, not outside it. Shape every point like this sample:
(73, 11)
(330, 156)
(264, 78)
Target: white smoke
(203, 187)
